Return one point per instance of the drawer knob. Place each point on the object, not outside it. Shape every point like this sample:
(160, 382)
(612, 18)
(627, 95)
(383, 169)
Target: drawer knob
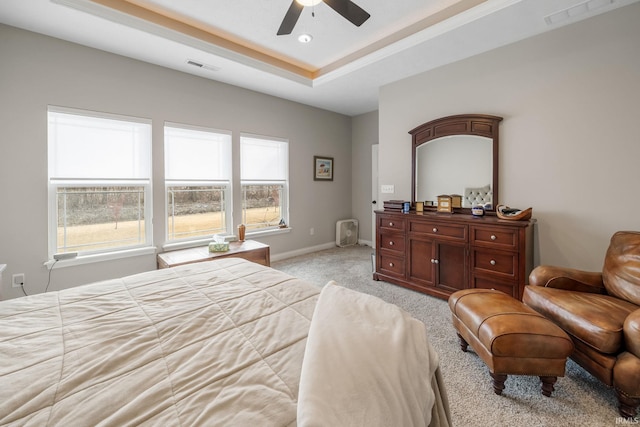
(434, 261)
(492, 262)
(390, 224)
(493, 237)
(435, 230)
(390, 264)
(391, 243)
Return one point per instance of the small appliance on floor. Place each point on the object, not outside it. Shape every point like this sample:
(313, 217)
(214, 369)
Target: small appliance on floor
(346, 232)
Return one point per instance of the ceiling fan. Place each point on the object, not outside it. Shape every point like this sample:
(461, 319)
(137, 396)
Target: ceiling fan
(348, 9)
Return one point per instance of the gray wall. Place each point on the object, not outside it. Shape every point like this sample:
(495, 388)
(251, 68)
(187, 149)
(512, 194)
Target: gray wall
(570, 143)
(36, 71)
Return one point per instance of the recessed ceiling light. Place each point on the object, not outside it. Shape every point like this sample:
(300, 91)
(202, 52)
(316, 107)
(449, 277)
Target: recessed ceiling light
(309, 2)
(305, 38)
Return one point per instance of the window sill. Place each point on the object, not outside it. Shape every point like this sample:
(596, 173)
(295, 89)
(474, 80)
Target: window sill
(88, 259)
(189, 244)
(271, 232)
(227, 238)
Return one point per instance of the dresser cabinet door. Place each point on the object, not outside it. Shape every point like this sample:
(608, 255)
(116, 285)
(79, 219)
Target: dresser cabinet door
(438, 254)
(451, 266)
(420, 264)
(436, 264)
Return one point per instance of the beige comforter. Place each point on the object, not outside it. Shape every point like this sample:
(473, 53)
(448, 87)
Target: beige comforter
(368, 363)
(215, 343)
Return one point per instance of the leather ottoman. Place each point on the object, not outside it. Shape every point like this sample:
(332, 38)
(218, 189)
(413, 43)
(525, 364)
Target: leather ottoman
(511, 338)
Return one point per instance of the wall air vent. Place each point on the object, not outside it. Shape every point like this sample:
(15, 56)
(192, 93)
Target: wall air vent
(203, 66)
(576, 10)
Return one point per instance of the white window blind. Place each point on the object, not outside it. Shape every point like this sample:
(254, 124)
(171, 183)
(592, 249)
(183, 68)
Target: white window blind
(193, 154)
(264, 159)
(90, 147)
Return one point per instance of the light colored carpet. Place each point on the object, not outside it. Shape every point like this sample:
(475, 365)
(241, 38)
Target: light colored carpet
(579, 399)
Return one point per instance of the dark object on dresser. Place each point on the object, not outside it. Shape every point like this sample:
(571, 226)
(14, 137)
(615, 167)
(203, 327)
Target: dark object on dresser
(601, 313)
(394, 205)
(513, 214)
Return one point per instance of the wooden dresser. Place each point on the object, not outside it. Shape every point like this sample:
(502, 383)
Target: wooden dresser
(438, 253)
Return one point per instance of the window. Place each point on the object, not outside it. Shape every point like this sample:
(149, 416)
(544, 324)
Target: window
(265, 182)
(99, 182)
(198, 182)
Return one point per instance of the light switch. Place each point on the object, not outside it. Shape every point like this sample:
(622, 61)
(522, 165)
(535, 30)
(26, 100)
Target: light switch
(387, 188)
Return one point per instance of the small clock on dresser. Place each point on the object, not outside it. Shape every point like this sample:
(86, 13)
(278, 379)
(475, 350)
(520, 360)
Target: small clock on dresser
(445, 204)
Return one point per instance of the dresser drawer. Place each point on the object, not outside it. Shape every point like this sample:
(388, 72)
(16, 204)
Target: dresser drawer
(433, 229)
(507, 287)
(391, 265)
(391, 223)
(504, 264)
(494, 237)
(392, 242)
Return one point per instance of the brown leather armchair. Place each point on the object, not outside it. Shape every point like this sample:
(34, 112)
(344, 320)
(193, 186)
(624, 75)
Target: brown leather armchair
(601, 314)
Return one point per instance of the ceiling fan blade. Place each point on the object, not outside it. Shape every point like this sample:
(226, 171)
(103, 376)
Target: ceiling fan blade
(290, 18)
(349, 10)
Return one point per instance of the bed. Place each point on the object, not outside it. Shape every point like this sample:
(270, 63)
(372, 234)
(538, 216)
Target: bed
(227, 342)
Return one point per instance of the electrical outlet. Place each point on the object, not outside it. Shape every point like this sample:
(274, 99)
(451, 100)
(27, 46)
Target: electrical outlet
(17, 280)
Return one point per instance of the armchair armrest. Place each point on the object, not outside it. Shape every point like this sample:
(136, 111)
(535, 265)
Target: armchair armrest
(567, 278)
(631, 331)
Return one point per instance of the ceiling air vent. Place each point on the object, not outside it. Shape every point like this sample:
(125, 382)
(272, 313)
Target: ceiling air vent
(203, 66)
(575, 10)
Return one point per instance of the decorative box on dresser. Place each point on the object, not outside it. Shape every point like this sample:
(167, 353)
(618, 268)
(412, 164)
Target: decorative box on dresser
(439, 254)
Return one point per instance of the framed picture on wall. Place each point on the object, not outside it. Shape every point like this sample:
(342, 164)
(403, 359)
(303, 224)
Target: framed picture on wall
(322, 168)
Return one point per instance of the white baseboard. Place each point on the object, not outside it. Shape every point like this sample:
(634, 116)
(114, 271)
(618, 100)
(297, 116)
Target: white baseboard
(365, 243)
(311, 249)
(303, 251)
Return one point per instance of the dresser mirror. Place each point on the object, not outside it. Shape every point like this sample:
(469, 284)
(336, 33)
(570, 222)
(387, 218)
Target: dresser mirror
(456, 155)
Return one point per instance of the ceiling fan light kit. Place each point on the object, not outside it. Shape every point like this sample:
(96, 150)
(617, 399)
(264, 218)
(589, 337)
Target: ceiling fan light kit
(309, 2)
(346, 8)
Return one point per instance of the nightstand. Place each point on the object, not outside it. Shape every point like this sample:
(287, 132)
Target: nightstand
(249, 249)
